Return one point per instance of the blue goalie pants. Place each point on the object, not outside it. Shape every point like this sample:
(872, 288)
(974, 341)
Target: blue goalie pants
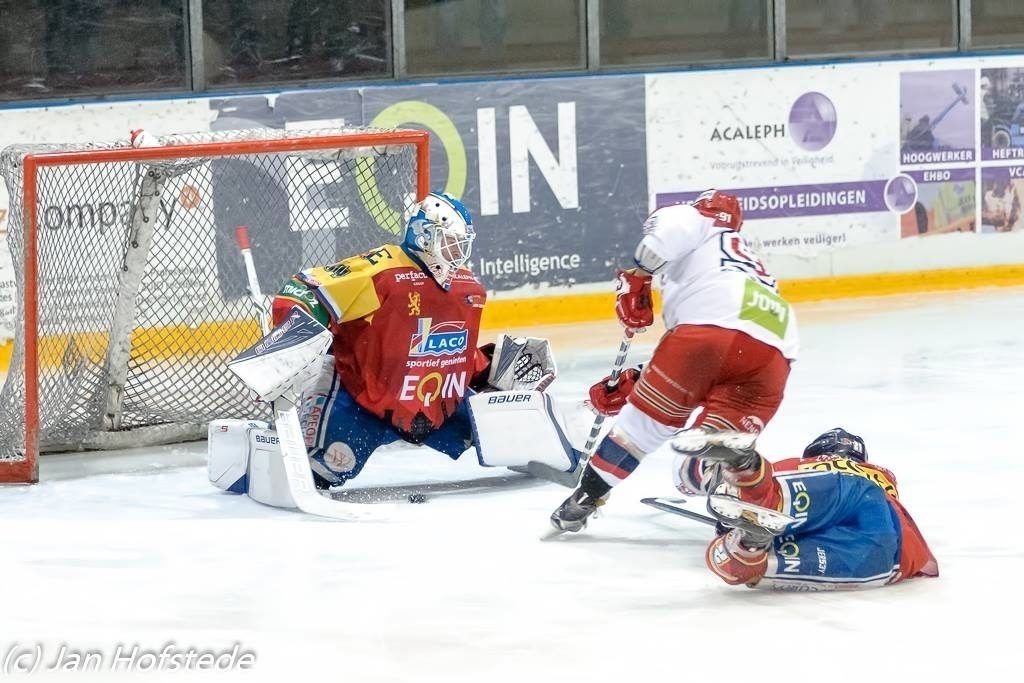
(846, 536)
(341, 435)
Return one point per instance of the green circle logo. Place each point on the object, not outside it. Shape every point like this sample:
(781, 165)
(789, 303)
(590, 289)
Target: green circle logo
(437, 122)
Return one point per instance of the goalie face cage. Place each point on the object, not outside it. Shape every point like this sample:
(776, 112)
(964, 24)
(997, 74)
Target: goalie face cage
(131, 291)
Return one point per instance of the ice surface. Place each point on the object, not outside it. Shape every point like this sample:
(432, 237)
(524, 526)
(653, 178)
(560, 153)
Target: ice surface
(461, 589)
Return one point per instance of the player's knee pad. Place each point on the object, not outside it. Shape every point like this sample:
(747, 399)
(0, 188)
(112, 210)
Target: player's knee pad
(692, 475)
(641, 430)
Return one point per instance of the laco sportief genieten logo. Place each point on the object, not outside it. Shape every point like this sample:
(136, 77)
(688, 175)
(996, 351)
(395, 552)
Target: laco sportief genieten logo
(443, 339)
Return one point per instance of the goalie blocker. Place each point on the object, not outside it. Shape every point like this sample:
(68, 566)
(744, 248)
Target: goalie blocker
(509, 427)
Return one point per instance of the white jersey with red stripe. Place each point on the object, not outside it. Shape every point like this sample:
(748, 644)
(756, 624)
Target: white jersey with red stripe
(712, 277)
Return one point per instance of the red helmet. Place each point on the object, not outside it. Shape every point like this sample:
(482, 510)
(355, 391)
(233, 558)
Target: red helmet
(724, 208)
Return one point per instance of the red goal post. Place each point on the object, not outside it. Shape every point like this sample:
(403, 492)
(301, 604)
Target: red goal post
(131, 294)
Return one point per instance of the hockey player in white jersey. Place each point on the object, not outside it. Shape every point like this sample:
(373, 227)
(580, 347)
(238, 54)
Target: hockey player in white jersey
(730, 341)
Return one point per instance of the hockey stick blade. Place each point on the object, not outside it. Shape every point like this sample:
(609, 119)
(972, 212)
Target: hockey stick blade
(672, 506)
(539, 470)
(403, 492)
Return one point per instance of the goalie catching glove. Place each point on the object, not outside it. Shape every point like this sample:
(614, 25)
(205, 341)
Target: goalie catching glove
(521, 364)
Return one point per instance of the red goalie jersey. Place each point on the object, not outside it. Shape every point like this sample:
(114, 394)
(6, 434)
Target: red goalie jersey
(404, 348)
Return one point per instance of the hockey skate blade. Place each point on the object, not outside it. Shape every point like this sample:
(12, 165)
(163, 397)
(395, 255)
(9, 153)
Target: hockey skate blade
(731, 507)
(693, 441)
(552, 533)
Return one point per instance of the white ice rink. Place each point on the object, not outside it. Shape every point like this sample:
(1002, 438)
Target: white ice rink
(461, 589)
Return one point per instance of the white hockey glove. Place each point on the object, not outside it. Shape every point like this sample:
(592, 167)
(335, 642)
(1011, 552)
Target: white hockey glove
(286, 359)
(521, 364)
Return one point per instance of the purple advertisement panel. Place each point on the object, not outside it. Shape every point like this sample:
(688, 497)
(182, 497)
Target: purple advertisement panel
(937, 117)
(1001, 112)
(552, 170)
(944, 201)
(1001, 190)
(798, 200)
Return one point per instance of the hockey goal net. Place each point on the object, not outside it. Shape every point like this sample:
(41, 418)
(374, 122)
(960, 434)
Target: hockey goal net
(131, 292)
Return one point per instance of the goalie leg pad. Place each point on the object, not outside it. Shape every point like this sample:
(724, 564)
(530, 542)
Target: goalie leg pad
(227, 453)
(268, 481)
(244, 456)
(519, 427)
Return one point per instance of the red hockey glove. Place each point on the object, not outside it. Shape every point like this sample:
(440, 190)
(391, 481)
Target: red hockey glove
(484, 356)
(607, 400)
(633, 302)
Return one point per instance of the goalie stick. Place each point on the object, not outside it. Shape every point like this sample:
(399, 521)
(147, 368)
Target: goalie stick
(286, 419)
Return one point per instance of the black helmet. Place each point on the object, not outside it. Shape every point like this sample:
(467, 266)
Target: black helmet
(838, 441)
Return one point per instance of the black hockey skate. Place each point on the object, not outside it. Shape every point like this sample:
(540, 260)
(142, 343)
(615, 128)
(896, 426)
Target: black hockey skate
(573, 513)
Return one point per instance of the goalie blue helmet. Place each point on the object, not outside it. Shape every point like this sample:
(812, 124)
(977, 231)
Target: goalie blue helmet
(838, 442)
(440, 235)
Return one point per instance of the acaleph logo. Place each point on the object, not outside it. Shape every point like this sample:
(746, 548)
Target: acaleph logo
(442, 339)
(812, 121)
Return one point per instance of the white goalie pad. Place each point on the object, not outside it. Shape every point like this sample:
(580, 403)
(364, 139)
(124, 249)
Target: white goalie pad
(286, 359)
(521, 364)
(244, 456)
(519, 427)
(268, 481)
(227, 453)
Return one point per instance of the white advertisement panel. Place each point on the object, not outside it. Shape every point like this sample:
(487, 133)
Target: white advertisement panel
(827, 158)
(76, 124)
(842, 168)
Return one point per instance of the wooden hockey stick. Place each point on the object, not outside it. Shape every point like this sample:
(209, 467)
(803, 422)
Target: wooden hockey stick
(571, 479)
(286, 419)
(613, 381)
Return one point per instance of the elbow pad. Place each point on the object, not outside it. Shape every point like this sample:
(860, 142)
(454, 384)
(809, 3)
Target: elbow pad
(646, 259)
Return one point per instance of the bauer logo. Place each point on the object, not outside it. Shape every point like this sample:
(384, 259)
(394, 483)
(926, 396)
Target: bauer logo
(812, 121)
(509, 398)
(442, 339)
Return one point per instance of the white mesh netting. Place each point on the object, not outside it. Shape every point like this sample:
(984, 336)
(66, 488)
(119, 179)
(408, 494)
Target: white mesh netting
(141, 289)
